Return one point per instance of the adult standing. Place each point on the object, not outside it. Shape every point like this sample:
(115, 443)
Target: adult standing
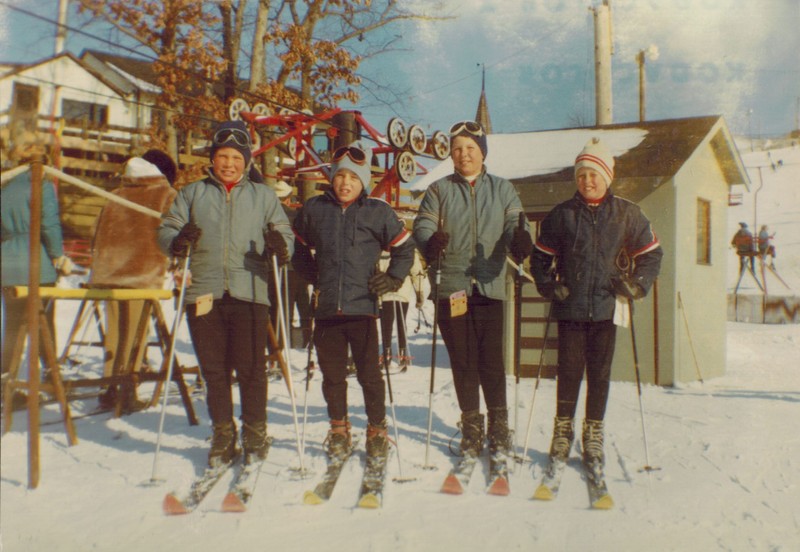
(469, 221)
(15, 251)
(232, 227)
(575, 265)
(125, 254)
(347, 229)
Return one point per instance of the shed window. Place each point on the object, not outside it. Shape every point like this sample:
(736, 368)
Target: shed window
(84, 113)
(703, 232)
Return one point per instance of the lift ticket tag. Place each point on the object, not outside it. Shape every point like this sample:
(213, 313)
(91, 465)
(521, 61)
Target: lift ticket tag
(204, 304)
(458, 303)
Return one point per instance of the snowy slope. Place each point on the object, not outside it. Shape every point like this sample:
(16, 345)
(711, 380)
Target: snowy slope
(728, 452)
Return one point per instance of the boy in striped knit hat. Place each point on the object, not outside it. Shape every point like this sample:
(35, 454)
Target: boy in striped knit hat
(592, 249)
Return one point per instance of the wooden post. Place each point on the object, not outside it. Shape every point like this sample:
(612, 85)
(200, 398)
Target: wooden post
(602, 64)
(33, 306)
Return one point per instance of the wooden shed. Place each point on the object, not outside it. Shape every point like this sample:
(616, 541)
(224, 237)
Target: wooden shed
(680, 171)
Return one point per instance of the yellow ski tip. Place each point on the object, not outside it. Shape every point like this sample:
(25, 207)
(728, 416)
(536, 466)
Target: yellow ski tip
(369, 501)
(310, 497)
(605, 502)
(543, 492)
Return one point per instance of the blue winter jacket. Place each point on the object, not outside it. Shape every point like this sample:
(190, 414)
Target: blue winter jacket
(348, 244)
(480, 221)
(16, 220)
(230, 254)
(585, 243)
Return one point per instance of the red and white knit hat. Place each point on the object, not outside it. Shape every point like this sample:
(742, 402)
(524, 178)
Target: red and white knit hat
(595, 155)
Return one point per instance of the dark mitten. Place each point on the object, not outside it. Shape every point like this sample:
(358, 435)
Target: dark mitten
(626, 287)
(521, 245)
(382, 283)
(275, 245)
(436, 245)
(553, 290)
(188, 235)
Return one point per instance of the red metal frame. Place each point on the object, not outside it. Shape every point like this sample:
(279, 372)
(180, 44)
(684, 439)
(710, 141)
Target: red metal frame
(299, 126)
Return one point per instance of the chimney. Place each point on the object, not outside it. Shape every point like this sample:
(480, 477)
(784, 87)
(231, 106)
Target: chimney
(602, 64)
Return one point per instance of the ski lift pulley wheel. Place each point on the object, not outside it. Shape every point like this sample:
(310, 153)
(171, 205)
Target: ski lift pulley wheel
(397, 132)
(237, 106)
(440, 144)
(417, 140)
(405, 166)
(261, 109)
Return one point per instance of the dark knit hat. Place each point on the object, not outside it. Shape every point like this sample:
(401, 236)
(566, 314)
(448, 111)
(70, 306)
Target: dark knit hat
(232, 134)
(473, 130)
(164, 163)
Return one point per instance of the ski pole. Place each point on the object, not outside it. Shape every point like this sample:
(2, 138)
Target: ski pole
(309, 368)
(400, 478)
(518, 331)
(647, 467)
(288, 375)
(171, 359)
(436, 283)
(689, 333)
(538, 379)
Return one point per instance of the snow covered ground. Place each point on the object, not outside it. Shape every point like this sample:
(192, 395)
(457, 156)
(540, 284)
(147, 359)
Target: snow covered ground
(728, 452)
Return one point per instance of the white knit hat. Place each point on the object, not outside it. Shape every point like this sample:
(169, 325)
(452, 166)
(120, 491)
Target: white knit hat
(136, 167)
(595, 155)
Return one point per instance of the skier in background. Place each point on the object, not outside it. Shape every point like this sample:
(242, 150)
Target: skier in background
(743, 243)
(125, 254)
(574, 265)
(765, 245)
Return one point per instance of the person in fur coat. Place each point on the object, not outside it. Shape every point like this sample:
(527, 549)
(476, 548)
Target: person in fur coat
(125, 254)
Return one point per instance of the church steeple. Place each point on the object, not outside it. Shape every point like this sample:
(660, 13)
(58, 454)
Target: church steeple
(482, 115)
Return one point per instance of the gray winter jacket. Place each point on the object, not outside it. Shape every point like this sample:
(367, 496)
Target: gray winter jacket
(480, 221)
(230, 254)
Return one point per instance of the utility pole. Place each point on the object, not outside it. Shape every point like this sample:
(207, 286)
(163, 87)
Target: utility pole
(61, 30)
(652, 53)
(602, 64)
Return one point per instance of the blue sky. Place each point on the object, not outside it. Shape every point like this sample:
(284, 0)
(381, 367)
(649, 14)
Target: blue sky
(729, 57)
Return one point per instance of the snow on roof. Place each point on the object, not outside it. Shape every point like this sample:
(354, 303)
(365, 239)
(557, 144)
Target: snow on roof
(524, 154)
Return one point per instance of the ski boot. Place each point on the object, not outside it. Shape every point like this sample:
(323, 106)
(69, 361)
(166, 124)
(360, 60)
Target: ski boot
(223, 444)
(339, 441)
(498, 433)
(593, 457)
(254, 441)
(472, 433)
(377, 440)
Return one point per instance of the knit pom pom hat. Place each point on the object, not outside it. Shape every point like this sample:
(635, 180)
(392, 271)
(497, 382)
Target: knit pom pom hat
(595, 155)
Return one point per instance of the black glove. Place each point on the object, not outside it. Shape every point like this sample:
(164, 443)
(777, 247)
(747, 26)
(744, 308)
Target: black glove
(521, 245)
(553, 290)
(188, 235)
(626, 287)
(382, 283)
(274, 244)
(436, 244)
